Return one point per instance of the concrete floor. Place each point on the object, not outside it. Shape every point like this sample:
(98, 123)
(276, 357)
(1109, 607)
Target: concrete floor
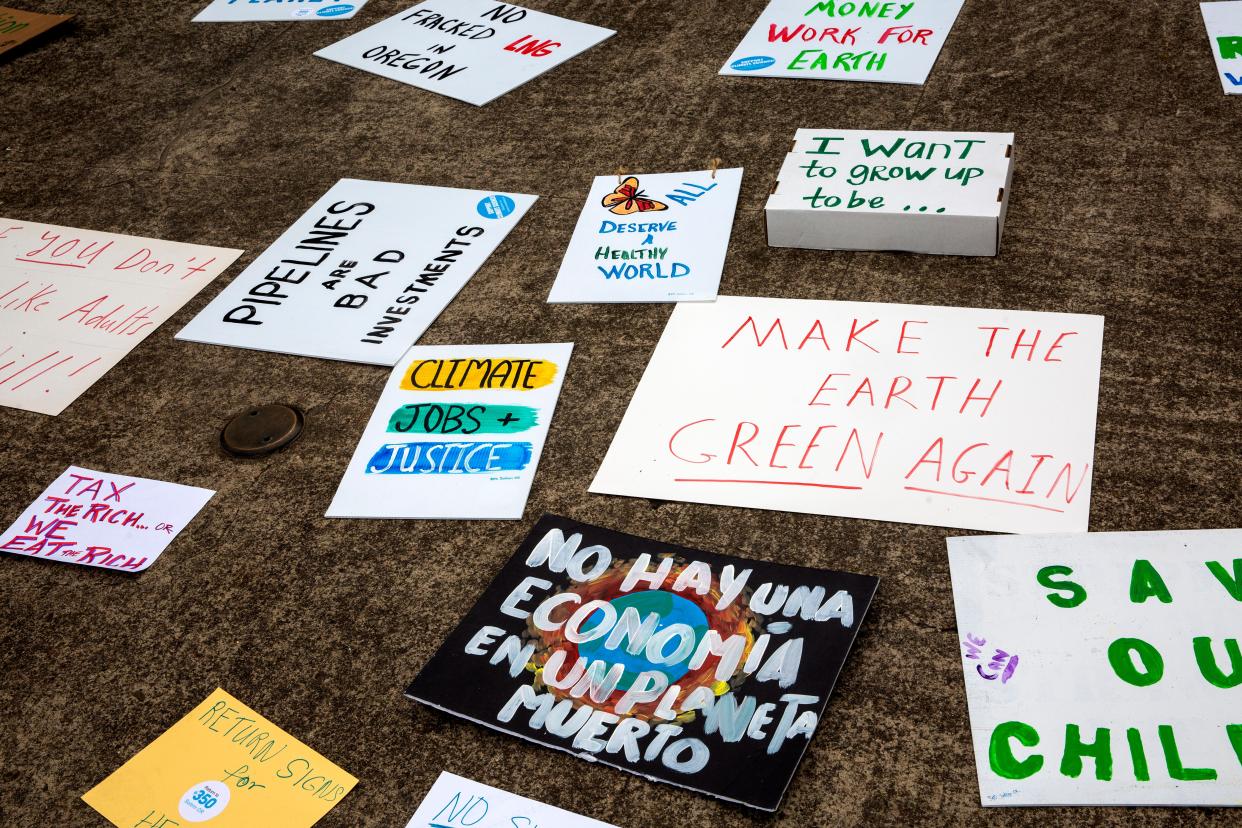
(1125, 203)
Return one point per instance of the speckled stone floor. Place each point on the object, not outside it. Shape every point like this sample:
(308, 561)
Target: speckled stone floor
(1125, 203)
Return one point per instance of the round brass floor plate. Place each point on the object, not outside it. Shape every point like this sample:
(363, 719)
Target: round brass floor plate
(262, 430)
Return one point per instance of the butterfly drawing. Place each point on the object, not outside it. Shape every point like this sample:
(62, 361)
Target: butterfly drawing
(627, 199)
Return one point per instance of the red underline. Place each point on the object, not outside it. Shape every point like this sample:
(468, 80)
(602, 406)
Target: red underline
(988, 499)
(767, 483)
(57, 264)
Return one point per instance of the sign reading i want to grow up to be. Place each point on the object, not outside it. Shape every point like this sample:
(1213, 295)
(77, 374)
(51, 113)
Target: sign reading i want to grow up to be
(887, 41)
(1103, 668)
(922, 192)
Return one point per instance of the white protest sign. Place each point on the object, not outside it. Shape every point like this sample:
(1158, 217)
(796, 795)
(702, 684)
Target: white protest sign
(1103, 669)
(457, 802)
(106, 520)
(1224, 27)
(978, 419)
(457, 433)
(74, 302)
(885, 42)
(925, 192)
(242, 11)
(472, 50)
(362, 273)
(650, 238)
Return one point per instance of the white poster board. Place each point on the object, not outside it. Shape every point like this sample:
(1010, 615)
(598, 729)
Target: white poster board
(245, 11)
(923, 192)
(650, 238)
(457, 802)
(1103, 669)
(1224, 27)
(471, 50)
(962, 417)
(106, 520)
(74, 302)
(362, 274)
(457, 433)
(883, 42)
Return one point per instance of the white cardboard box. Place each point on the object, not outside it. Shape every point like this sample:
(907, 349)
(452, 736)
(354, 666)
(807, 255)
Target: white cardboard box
(921, 192)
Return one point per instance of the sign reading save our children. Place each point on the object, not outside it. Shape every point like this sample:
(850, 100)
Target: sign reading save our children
(1103, 668)
(1224, 27)
(362, 273)
(963, 417)
(654, 238)
(702, 670)
(457, 433)
(887, 41)
(472, 50)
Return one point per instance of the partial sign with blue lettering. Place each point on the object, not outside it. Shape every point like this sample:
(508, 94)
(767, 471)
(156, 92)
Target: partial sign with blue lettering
(1224, 28)
(650, 238)
(457, 802)
(456, 434)
(249, 11)
(471, 50)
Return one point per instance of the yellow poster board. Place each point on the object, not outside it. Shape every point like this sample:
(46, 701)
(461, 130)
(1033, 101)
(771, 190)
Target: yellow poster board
(224, 764)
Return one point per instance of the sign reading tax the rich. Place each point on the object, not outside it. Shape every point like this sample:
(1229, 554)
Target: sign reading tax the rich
(472, 50)
(1103, 668)
(361, 274)
(706, 671)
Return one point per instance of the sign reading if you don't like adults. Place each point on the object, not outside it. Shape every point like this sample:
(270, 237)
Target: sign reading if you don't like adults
(362, 273)
(472, 50)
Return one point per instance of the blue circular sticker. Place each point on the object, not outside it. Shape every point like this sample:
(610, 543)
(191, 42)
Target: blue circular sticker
(496, 206)
(335, 11)
(750, 64)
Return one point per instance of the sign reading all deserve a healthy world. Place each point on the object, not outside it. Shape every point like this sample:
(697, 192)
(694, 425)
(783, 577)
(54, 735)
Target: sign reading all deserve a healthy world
(706, 671)
(225, 764)
(962, 417)
(1105, 668)
(471, 50)
(457, 434)
(242, 11)
(362, 274)
(884, 42)
(74, 302)
(1224, 28)
(18, 26)
(107, 520)
(650, 238)
(922, 192)
(457, 802)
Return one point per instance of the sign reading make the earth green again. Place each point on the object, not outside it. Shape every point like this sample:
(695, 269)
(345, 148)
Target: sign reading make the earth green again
(675, 664)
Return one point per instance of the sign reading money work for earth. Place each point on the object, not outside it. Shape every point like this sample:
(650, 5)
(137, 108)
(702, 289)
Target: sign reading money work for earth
(1103, 668)
(706, 671)
(888, 41)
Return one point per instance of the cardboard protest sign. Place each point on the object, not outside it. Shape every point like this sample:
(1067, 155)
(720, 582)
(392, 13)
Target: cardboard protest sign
(654, 238)
(1224, 27)
(456, 802)
(226, 764)
(977, 419)
(925, 192)
(18, 27)
(457, 433)
(362, 273)
(73, 303)
(705, 671)
(1103, 669)
(471, 50)
(108, 520)
(242, 11)
(883, 42)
